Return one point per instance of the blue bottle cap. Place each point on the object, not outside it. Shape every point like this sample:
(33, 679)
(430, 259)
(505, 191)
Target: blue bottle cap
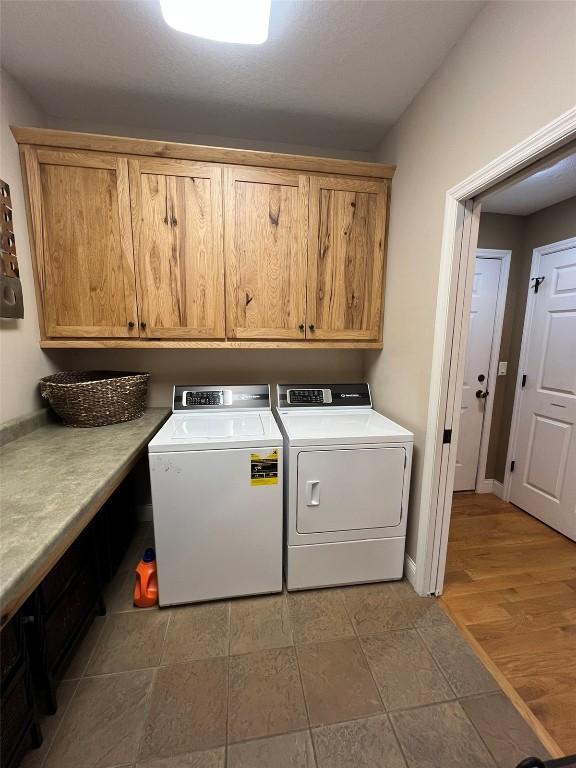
(149, 555)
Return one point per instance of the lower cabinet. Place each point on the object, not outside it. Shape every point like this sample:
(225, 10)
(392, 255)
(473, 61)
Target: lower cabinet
(116, 523)
(60, 612)
(20, 729)
(40, 640)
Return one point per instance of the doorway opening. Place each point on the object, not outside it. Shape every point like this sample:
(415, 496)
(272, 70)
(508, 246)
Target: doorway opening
(506, 545)
(482, 366)
(458, 253)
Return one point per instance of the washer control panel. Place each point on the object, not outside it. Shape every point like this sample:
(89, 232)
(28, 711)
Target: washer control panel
(194, 398)
(323, 395)
(306, 396)
(206, 397)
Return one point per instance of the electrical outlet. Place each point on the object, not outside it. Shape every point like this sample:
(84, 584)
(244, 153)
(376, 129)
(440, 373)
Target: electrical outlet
(502, 368)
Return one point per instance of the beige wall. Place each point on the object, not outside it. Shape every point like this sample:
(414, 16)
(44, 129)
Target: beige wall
(511, 73)
(220, 366)
(22, 362)
(189, 136)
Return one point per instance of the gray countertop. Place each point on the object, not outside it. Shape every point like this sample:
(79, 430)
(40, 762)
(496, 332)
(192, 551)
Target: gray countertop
(52, 482)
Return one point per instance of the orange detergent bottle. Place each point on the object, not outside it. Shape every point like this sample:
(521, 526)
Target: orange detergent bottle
(146, 586)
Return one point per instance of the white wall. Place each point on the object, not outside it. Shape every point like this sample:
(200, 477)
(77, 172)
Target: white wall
(22, 362)
(512, 72)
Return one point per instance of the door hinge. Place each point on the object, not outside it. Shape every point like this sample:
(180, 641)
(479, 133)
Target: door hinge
(447, 438)
(523, 380)
(512, 465)
(538, 282)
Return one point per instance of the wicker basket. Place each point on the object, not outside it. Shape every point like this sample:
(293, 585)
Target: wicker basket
(96, 398)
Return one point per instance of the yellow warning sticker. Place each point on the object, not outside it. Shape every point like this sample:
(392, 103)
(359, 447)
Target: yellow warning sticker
(264, 469)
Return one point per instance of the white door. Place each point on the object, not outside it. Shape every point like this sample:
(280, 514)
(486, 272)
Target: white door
(346, 490)
(544, 477)
(474, 389)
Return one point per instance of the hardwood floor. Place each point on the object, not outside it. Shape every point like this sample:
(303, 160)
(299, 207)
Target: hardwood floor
(511, 586)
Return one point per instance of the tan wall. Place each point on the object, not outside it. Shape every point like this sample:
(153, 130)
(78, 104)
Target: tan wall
(220, 366)
(191, 137)
(22, 362)
(511, 73)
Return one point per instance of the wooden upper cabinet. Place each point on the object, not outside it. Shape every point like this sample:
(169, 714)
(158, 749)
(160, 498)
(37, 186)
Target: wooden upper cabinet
(265, 224)
(151, 244)
(346, 243)
(80, 217)
(177, 219)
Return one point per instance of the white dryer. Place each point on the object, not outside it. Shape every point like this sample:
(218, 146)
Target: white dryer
(216, 475)
(347, 479)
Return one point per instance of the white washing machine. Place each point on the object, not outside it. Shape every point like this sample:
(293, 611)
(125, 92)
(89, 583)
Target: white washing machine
(216, 474)
(347, 478)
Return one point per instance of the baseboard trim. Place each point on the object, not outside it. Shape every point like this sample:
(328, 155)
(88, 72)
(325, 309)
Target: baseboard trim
(498, 489)
(491, 486)
(485, 486)
(144, 513)
(410, 570)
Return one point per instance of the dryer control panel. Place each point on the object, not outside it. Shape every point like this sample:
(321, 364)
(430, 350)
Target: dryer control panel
(219, 397)
(323, 395)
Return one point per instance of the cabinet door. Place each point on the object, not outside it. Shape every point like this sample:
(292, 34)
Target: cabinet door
(80, 213)
(346, 258)
(265, 213)
(177, 215)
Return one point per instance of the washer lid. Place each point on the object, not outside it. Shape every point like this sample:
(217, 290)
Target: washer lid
(333, 427)
(205, 431)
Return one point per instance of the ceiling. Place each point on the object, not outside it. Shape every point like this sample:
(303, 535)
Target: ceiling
(335, 73)
(546, 186)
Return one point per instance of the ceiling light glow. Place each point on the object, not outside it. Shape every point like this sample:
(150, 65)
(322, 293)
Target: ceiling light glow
(228, 21)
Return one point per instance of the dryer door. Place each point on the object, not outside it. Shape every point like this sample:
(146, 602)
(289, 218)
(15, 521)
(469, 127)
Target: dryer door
(350, 489)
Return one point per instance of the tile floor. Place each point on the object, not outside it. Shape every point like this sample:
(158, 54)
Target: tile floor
(361, 677)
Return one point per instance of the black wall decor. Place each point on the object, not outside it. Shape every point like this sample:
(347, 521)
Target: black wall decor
(11, 303)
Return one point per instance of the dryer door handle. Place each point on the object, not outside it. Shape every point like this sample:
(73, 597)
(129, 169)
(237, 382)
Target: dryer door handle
(313, 493)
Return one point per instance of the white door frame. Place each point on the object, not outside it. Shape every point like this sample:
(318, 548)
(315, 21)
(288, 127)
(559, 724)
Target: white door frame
(458, 252)
(484, 484)
(537, 254)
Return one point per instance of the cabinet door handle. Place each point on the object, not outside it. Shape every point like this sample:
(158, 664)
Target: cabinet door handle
(313, 493)
(301, 326)
(312, 327)
(131, 324)
(143, 325)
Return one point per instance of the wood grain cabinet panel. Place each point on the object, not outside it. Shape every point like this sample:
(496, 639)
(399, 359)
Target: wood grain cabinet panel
(80, 215)
(177, 220)
(148, 244)
(346, 258)
(266, 215)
